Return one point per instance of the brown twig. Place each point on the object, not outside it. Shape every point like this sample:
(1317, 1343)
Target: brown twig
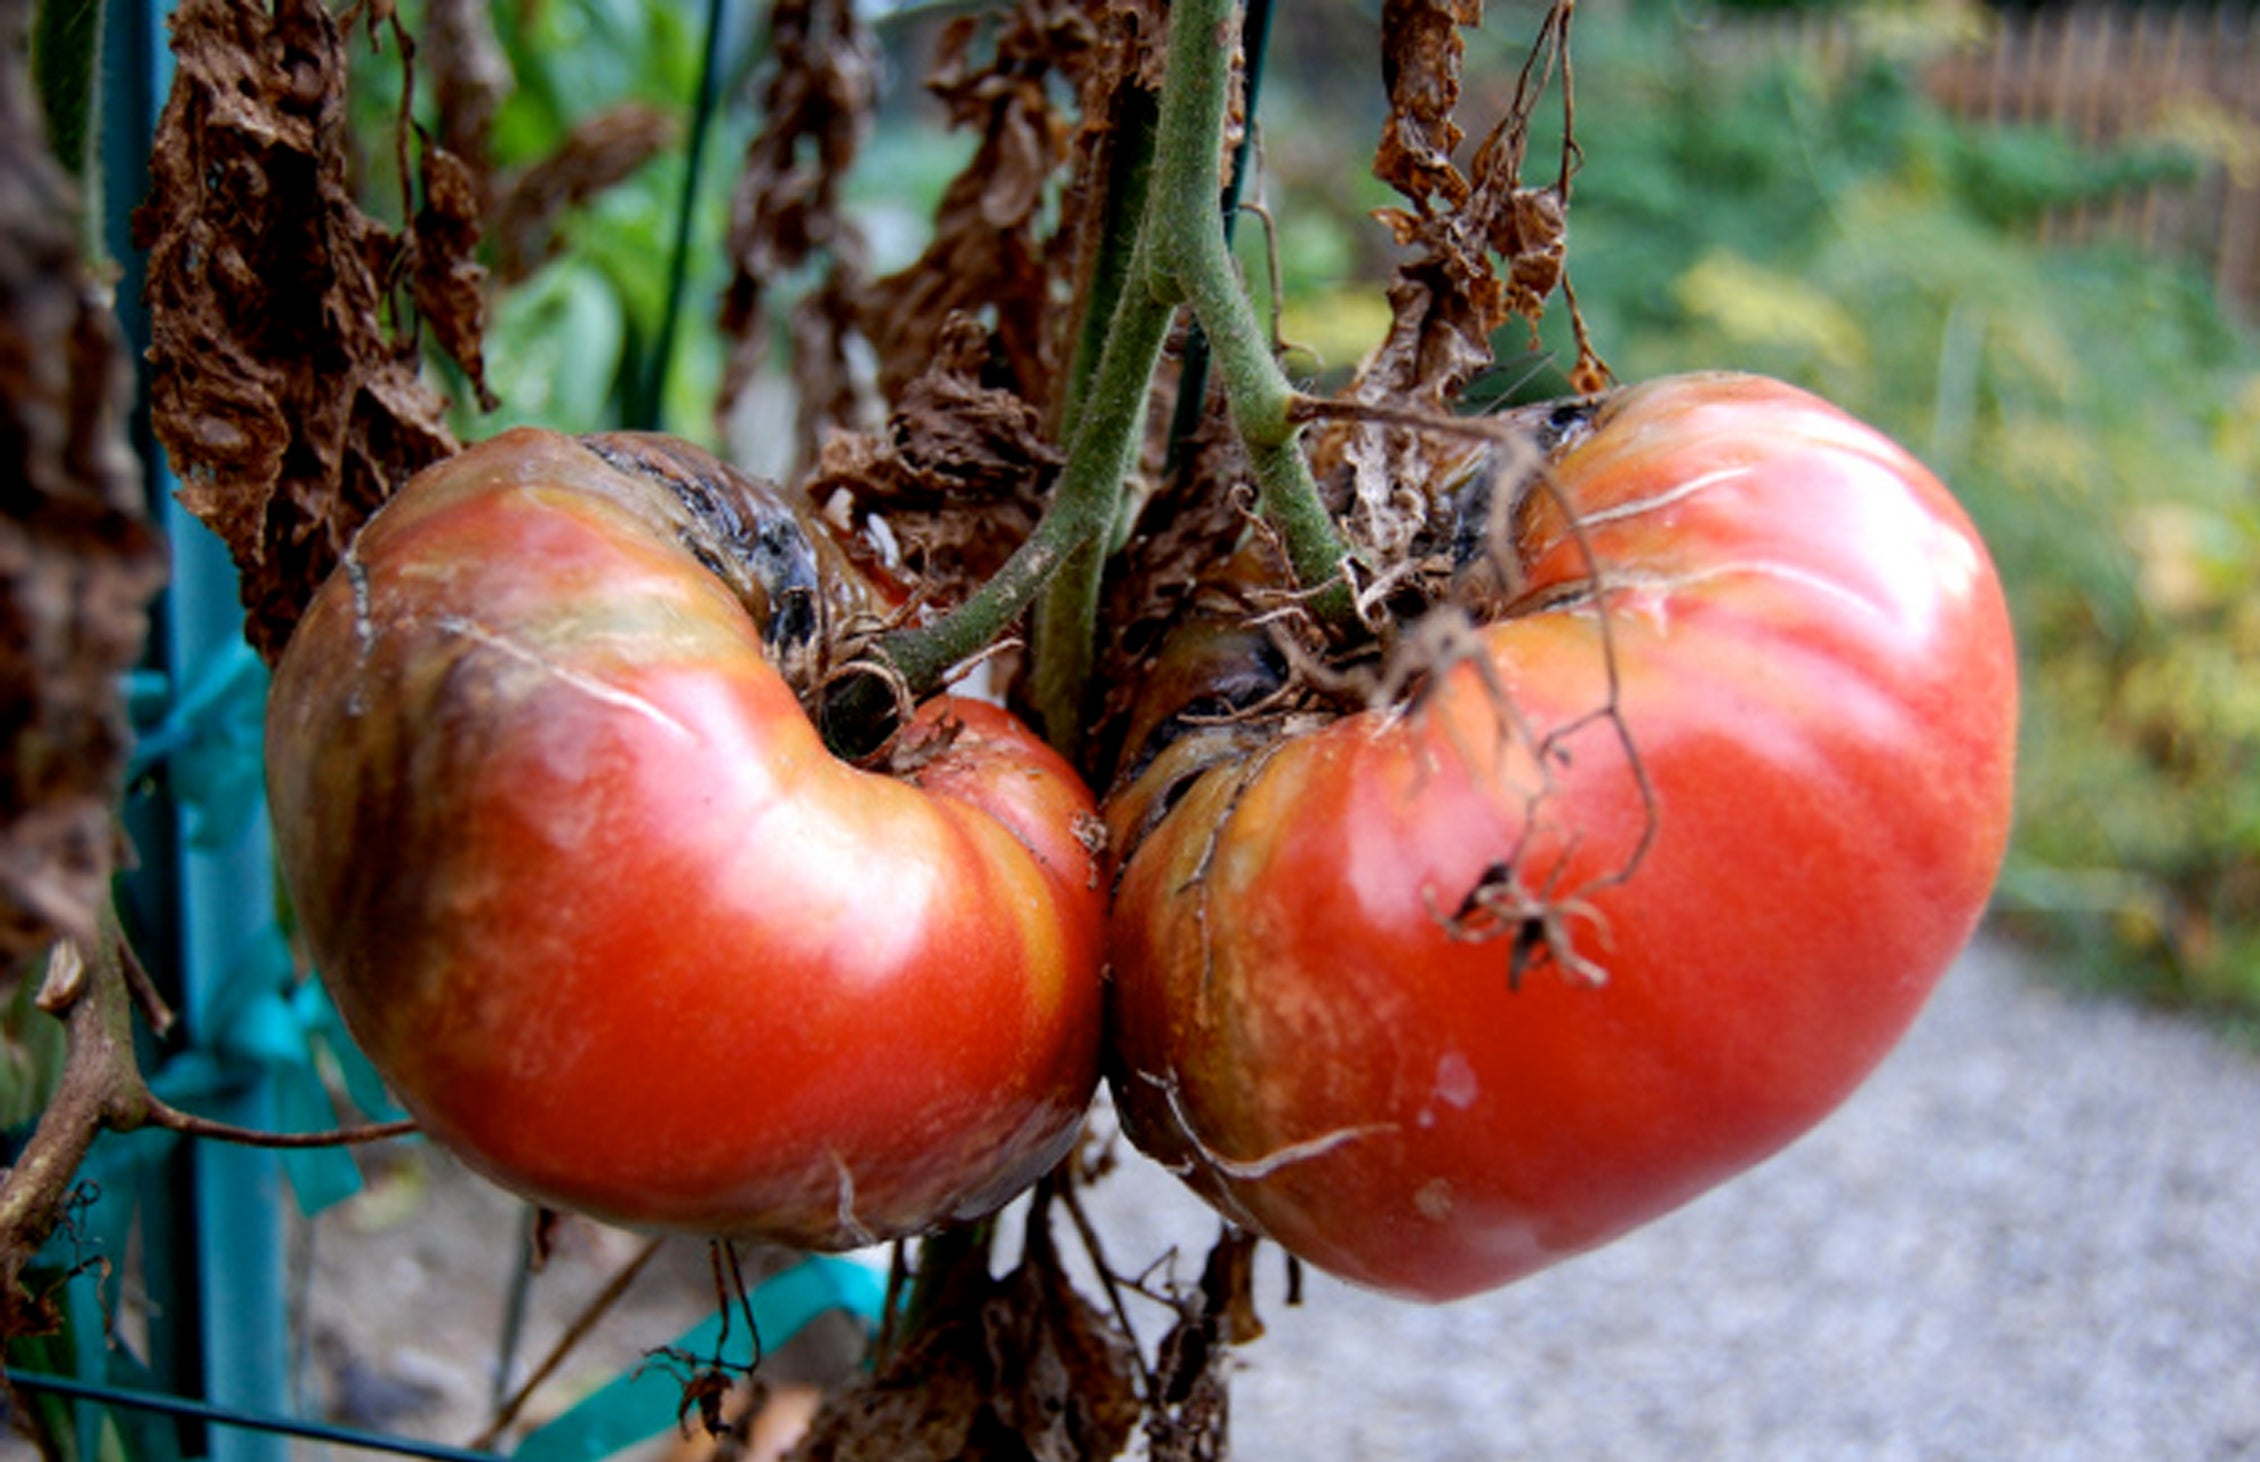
(146, 996)
(101, 1088)
(188, 1124)
(586, 1321)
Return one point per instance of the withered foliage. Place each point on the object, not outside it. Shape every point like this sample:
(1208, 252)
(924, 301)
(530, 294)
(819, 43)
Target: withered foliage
(816, 105)
(78, 562)
(959, 476)
(1018, 1369)
(1194, 533)
(989, 251)
(1189, 1420)
(1451, 295)
(1035, 84)
(1420, 65)
(471, 79)
(448, 280)
(289, 410)
(1485, 248)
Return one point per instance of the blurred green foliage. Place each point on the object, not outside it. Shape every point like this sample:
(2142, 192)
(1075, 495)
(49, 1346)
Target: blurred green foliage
(565, 345)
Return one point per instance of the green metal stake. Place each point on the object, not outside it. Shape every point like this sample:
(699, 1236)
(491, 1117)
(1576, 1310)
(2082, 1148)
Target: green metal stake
(224, 894)
(225, 906)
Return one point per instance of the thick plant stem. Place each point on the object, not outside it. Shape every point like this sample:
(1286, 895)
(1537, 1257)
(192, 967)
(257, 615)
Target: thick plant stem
(1192, 262)
(1065, 631)
(1067, 625)
(1113, 245)
(1179, 257)
(1102, 454)
(1085, 503)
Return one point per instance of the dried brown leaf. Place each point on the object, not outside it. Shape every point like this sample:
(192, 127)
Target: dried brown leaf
(989, 251)
(471, 79)
(1038, 85)
(603, 149)
(959, 476)
(1190, 1417)
(1019, 1369)
(816, 107)
(289, 412)
(1071, 1375)
(1485, 248)
(1421, 53)
(78, 562)
(449, 280)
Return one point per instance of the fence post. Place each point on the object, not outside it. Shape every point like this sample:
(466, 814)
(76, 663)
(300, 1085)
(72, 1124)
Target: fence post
(226, 1315)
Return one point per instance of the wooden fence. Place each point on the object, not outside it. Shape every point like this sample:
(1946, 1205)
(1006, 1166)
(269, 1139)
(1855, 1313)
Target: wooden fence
(2118, 75)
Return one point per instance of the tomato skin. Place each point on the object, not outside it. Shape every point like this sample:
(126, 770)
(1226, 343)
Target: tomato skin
(1814, 664)
(616, 926)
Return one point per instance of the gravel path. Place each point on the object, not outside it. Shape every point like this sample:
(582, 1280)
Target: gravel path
(2034, 1234)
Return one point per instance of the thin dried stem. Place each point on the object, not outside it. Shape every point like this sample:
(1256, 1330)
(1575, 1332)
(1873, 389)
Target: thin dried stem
(586, 1321)
(188, 1124)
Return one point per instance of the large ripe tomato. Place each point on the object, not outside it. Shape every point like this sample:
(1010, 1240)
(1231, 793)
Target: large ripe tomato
(1617, 905)
(600, 906)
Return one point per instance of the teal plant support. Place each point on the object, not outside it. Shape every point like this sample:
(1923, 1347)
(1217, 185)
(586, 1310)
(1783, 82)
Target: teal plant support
(226, 1217)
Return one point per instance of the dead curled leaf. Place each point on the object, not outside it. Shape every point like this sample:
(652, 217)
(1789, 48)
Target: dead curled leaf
(1035, 84)
(816, 104)
(449, 282)
(1018, 1369)
(990, 250)
(471, 79)
(289, 412)
(1190, 1418)
(1420, 66)
(78, 560)
(1451, 295)
(959, 475)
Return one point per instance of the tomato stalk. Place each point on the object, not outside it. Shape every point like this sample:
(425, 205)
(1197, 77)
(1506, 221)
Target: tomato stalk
(1068, 545)
(1190, 262)
(1178, 257)
(1129, 173)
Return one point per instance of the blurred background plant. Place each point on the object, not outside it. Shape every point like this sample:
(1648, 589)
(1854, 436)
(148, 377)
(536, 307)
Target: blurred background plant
(1778, 187)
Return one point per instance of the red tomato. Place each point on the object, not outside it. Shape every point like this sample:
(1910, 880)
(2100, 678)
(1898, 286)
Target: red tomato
(1438, 994)
(599, 904)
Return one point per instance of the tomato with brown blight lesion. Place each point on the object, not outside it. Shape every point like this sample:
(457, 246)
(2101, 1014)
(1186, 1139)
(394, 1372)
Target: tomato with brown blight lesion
(606, 913)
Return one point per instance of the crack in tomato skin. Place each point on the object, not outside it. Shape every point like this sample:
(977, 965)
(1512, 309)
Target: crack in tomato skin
(1254, 1169)
(587, 684)
(1744, 745)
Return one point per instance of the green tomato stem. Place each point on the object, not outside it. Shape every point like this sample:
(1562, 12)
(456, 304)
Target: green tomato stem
(1192, 262)
(1179, 257)
(1122, 216)
(1085, 503)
